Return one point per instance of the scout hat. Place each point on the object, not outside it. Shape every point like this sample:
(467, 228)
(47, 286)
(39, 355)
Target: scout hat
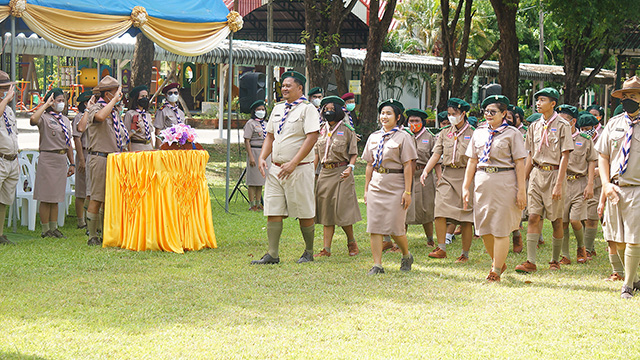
(417, 112)
(599, 108)
(348, 96)
(5, 80)
(174, 85)
(85, 96)
(587, 120)
(256, 104)
(493, 99)
(534, 117)
(517, 109)
(568, 109)
(631, 85)
(315, 90)
(107, 83)
(55, 91)
(458, 104)
(548, 92)
(293, 74)
(443, 115)
(136, 91)
(391, 102)
(619, 110)
(473, 121)
(332, 99)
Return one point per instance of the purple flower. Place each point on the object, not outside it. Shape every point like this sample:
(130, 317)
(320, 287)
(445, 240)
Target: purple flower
(183, 138)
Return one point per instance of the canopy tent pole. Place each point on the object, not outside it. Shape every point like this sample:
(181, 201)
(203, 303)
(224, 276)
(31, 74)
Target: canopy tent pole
(229, 100)
(14, 213)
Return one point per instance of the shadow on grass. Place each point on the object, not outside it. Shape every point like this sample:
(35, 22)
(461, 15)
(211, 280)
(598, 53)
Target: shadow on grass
(18, 356)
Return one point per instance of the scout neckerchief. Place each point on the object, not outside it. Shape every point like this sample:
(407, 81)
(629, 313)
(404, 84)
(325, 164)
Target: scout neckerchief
(377, 157)
(455, 139)
(348, 114)
(545, 133)
(329, 138)
(521, 126)
(58, 117)
(6, 122)
(143, 115)
(576, 133)
(626, 146)
(487, 145)
(116, 126)
(598, 127)
(264, 127)
(287, 107)
(421, 132)
(175, 109)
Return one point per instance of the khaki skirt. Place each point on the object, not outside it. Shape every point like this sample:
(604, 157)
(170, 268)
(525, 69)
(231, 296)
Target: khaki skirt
(254, 177)
(385, 214)
(448, 203)
(81, 177)
(336, 199)
(51, 177)
(423, 200)
(495, 211)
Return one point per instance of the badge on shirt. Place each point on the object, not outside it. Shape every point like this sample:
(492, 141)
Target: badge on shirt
(450, 135)
(340, 133)
(554, 129)
(467, 137)
(425, 141)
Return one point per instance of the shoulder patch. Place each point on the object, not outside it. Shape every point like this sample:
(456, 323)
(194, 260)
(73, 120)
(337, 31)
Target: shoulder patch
(408, 131)
(434, 131)
(472, 128)
(446, 127)
(306, 102)
(430, 131)
(348, 126)
(586, 136)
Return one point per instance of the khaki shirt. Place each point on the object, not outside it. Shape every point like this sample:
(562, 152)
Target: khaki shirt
(506, 147)
(523, 130)
(52, 133)
(559, 135)
(343, 145)
(254, 133)
(445, 142)
(102, 136)
(135, 125)
(583, 153)
(9, 142)
(302, 119)
(77, 133)
(610, 145)
(166, 117)
(425, 144)
(398, 148)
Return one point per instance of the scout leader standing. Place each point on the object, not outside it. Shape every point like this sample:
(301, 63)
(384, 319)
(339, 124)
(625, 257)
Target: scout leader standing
(580, 179)
(292, 132)
(169, 114)
(107, 134)
(451, 145)
(619, 164)
(255, 131)
(138, 121)
(549, 143)
(9, 173)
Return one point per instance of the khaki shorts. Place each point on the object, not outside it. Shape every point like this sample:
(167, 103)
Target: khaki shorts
(98, 170)
(592, 204)
(540, 200)
(621, 223)
(575, 206)
(294, 196)
(9, 176)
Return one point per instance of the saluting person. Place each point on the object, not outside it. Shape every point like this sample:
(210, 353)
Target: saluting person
(137, 120)
(9, 167)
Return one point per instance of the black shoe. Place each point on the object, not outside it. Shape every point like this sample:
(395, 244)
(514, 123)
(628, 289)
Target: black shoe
(266, 260)
(47, 234)
(406, 263)
(56, 233)
(626, 293)
(306, 257)
(82, 226)
(94, 241)
(376, 270)
(5, 241)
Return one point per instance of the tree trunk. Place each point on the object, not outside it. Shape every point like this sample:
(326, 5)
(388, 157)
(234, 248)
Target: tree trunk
(143, 55)
(506, 11)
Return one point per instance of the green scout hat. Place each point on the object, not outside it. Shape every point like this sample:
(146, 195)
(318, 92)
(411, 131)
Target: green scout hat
(417, 112)
(331, 99)
(587, 120)
(136, 91)
(293, 74)
(391, 102)
(443, 115)
(517, 109)
(458, 104)
(493, 99)
(85, 96)
(619, 110)
(256, 104)
(55, 91)
(568, 109)
(599, 108)
(534, 117)
(473, 121)
(316, 90)
(548, 92)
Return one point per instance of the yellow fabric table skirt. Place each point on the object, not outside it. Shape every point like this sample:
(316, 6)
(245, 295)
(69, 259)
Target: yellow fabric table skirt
(158, 200)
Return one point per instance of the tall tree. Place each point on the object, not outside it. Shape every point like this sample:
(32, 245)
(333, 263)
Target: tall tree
(143, 56)
(506, 11)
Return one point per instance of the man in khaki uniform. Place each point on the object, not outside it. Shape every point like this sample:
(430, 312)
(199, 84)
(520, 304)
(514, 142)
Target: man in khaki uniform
(549, 143)
(292, 131)
(8, 152)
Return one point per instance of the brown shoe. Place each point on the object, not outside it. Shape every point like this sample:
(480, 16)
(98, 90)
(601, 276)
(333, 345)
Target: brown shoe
(540, 241)
(353, 248)
(322, 252)
(386, 245)
(438, 253)
(565, 261)
(614, 277)
(395, 249)
(430, 243)
(493, 277)
(582, 255)
(554, 265)
(260, 207)
(458, 230)
(526, 267)
(517, 243)
(462, 259)
(591, 255)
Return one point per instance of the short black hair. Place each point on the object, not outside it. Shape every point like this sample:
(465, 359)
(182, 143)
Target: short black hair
(397, 111)
(297, 81)
(424, 120)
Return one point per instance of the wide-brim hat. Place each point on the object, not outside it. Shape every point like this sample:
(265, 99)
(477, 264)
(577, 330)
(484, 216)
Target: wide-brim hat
(417, 112)
(631, 85)
(391, 102)
(5, 80)
(548, 92)
(332, 99)
(174, 85)
(107, 83)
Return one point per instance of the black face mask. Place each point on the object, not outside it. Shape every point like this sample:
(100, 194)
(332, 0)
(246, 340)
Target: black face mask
(329, 115)
(144, 103)
(630, 106)
(511, 123)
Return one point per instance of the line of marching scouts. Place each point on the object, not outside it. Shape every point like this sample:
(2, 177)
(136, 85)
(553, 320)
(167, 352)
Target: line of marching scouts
(566, 167)
(101, 126)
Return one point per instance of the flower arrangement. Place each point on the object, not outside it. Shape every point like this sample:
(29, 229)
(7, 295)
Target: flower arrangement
(178, 134)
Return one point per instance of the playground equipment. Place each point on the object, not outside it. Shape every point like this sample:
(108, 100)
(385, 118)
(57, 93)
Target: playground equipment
(34, 98)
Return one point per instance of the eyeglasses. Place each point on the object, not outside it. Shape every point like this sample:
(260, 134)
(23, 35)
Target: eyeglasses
(172, 93)
(490, 112)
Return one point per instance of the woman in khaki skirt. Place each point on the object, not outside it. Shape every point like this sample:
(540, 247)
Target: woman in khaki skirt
(55, 150)
(389, 153)
(420, 211)
(255, 130)
(336, 152)
(496, 167)
(138, 121)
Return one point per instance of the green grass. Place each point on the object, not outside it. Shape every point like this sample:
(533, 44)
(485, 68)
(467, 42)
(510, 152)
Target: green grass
(60, 299)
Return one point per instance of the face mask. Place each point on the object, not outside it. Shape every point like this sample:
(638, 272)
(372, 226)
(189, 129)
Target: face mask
(260, 114)
(59, 107)
(455, 120)
(591, 132)
(415, 128)
(630, 106)
(329, 115)
(172, 98)
(316, 102)
(351, 106)
(144, 102)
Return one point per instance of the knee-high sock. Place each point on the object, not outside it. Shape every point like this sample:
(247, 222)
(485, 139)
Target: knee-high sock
(579, 234)
(274, 230)
(308, 232)
(565, 243)
(532, 247)
(556, 248)
(631, 262)
(3, 213)
(590, 238)
(616, 264)
(101, 220)
(92, 224)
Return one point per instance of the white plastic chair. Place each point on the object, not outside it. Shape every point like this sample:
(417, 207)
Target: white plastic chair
(24, 196)
(69, 193)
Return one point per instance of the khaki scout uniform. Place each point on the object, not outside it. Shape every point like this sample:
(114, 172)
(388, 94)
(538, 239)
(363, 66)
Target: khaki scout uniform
(166, 117)
(140, 135)
(83, 181)
(9, 167)
(421, 209)
(449, 189)
(621, 221)
(293, 196)
(546, 161)
(254, 133)
(592, 204)
(575, 206)
(51, 171)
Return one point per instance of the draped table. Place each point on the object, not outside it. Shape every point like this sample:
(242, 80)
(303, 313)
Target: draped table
(158, 200)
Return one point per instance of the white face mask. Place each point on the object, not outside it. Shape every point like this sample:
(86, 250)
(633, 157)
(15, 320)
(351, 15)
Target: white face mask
(316, 102)
(260, 114)
(172, 98)
(455, 120)
(59, 107)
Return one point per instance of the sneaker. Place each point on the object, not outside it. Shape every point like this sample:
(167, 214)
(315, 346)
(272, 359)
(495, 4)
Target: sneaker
(375, 271)
(626, 293)
(266, 260)
(353, 248)
(615, 277)
(322, 252)
(554, 265)
(386, 245)
(565, 260)
(94, 241)
(462, 259)
(5, 241)
(306, 257)
(57, 234)
(395, 249)
(526, 267)
(405, 264)
(581, 255)
(450, 241)
(493, 277)
(438, 253)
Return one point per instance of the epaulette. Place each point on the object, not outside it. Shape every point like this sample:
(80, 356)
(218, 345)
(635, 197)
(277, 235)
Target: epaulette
(434, 131)
(429, 130)
(525, 128)
(446, 127)
(472, 128)
(586, 136)
(408, 131)
(349, 126)
(306, 102)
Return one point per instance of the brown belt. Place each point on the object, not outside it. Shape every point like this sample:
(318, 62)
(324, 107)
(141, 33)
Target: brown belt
(454, 166)
(9, 157)
(136, 141)
(617, 183)
(302, 163)
(382, 170)
(334, 165)
(546, 167)
(256, 146)
(493, 169)
(98, 153)
(62, 151)
(572, 177)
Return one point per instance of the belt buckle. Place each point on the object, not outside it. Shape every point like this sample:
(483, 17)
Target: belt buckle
(545, 167)
(382, 170)
(572, 177)
(491, 170)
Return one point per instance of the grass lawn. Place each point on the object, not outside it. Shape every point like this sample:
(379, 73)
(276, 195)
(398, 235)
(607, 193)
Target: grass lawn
(60, 299)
